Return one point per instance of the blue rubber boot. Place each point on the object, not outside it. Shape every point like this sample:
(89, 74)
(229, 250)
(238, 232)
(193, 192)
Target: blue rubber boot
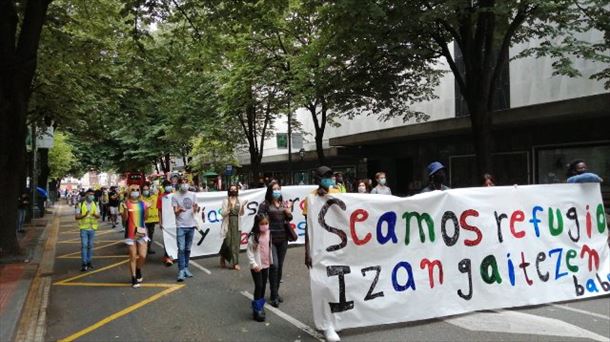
(259, 309)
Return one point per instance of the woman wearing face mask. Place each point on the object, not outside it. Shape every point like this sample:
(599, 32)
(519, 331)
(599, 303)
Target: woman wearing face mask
(381, 187)
(363, 186)
(232, 209)
(153, 213)
(134, 214)
(279, 214)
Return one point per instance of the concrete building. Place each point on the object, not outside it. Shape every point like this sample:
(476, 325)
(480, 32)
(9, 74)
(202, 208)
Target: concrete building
(545, 122)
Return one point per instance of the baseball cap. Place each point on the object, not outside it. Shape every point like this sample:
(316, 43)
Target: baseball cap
(323, 171)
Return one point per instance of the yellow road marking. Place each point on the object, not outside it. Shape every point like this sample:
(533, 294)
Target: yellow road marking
(92, 272)
(169, 288)
(157, 285)
(96, 248)
(121, 313)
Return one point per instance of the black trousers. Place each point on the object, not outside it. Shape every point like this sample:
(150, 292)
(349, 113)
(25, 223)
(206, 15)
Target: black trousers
(278, 251)
(151, 232)
(260, 282)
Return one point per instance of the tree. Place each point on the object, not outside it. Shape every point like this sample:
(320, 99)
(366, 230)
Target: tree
(20, 28)
(483, 31)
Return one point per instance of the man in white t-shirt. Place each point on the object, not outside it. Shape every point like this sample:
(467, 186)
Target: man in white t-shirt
(185, 207)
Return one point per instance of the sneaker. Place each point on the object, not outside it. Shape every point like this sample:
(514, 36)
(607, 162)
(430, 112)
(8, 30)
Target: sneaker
(151, 251)
(275, 303)
(83, 268)
(280, 299)
(180, 276)
(134, 283)
(113, 226)
(330, 335)
(187, 273)
(139, 277)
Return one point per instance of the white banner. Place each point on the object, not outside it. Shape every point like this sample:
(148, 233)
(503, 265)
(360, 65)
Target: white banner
(208, 240)
(382, 259)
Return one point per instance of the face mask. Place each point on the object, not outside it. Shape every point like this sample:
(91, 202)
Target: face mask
(146, 193)
(90, 198)
(277, 194)
(135, 194)
(184, 187)
(382, 181)
(362, 189)
(264, 228)
(232, 193)
(327, 183)
(169, 188)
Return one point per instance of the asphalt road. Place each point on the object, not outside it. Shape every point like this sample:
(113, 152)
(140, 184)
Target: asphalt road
(213, 306)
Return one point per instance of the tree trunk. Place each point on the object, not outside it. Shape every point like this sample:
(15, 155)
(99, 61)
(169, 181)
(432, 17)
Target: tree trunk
(17, 67)
(482, 138)
(320, 147)
(43, 176)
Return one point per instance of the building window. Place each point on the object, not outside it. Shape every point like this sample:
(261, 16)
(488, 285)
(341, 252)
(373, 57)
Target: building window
(552, 162)
(510, 168)
(282, 140)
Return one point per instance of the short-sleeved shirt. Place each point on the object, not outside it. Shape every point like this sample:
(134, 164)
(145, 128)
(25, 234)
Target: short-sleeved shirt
(135, 217)
(113, 199)
(586, 177)
(186, 201)
(381, 190)
(153, 211)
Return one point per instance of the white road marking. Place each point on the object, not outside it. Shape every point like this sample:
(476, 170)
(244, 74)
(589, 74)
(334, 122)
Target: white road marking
(309, 330)
(521, 323)
(565, 307)
(190, 262)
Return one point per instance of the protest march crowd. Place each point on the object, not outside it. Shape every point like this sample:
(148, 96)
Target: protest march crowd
(140, 210)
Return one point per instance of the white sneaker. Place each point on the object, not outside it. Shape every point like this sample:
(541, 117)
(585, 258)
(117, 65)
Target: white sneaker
(330, 335)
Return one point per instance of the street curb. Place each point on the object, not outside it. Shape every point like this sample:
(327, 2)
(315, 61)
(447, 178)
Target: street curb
(32, 323)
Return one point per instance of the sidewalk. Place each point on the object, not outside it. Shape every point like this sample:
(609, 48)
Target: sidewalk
(18, 275)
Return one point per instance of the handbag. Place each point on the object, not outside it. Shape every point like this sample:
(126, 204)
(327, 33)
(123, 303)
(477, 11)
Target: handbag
(291, 234)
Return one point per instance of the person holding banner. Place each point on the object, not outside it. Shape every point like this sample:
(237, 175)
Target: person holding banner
(167, 190)
(381, 188)
(279, 217)
(134, 214)
(260, 259)
(323, 178)
(436, 176)
(232, 209)
(153, 213)
(185, 206)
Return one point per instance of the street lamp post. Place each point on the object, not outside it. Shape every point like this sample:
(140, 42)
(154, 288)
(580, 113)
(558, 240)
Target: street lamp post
(302, 156)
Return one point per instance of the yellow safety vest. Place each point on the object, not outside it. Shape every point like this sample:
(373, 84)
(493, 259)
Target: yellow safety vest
(153, 211)
(88, 222)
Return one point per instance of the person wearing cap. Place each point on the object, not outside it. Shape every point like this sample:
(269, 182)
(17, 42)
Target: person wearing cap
(324, 179)
(381, 188)
(326, 185)
(87, 213)
(437, 175)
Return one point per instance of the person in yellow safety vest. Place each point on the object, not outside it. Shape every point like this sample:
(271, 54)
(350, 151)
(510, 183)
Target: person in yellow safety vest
(339, 183)
(153, 213)
(87, 213)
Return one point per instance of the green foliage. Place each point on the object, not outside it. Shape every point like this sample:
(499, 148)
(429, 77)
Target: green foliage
(61, 157)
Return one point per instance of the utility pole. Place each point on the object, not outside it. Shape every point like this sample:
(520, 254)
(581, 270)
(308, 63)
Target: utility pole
(291, 180)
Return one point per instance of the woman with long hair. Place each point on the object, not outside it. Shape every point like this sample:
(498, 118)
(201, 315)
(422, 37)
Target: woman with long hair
(280, 214)
(232, 210)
